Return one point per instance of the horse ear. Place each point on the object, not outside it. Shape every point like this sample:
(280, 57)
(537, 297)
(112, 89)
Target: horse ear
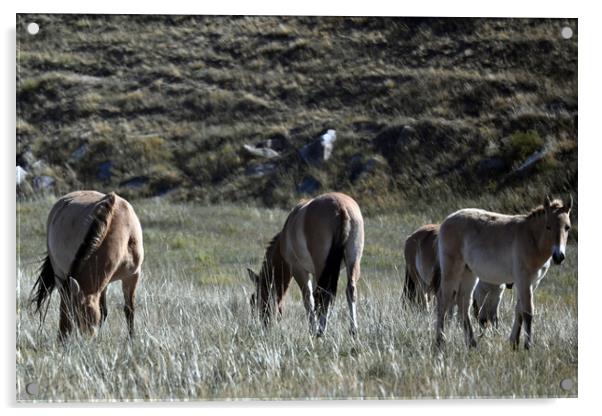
(253, 276)
(547, 203)
(569, 204)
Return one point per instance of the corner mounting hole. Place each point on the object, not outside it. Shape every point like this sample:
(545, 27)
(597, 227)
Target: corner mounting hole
(33, 28)
(566, 384)
(566, 32)
(32, 389)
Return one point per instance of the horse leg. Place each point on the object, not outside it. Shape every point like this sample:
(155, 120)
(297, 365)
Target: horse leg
(352, 256)
(451, 271)
(517, 325)
(464, 298)
(304, 282)
(353, 274)
(128, 286)
(103, 306)
(324, 300)
(65, 319)
(525, 295)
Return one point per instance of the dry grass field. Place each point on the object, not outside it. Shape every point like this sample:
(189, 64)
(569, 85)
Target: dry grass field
(196, 339)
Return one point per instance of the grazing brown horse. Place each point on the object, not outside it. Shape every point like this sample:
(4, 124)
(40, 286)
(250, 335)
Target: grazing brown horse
(499, 249)
(423, 276)
(422, 265)
(92, 240)
(317, 235)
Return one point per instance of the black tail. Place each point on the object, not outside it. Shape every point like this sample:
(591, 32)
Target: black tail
(436, 281)
(43, 287)
(329, 279)
(409, 287)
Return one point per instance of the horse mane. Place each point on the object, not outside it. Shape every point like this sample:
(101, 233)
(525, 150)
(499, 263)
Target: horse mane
(538, 211)
(271, 245)
(101, 221)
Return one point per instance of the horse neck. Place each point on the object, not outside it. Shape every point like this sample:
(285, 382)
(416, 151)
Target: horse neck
(542, 239)
(278, 270)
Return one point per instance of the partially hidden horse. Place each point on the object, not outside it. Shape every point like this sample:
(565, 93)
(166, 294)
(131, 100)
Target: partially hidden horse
(317, 236)
(499, 249)
(423, 276)
(92, 240)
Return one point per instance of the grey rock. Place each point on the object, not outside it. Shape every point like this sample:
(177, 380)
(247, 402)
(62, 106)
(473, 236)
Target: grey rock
(43, 182)
(531, 160)
(319, 150)
(263, 152)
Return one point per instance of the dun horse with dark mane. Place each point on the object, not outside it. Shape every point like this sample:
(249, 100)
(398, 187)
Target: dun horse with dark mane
(317, 236)
(423, 276)
(499, 249)
(92, 240)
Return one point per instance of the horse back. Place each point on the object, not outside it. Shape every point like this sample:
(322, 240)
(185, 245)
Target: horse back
(482, 240)
(68, 223)
(89, 232)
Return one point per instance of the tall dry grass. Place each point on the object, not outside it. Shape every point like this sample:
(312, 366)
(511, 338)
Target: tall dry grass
(196, 339)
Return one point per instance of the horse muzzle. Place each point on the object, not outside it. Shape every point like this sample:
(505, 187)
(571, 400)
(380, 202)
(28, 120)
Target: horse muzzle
(558, 257)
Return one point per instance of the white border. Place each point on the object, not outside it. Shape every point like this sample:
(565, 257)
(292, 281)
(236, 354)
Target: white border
(589, 150)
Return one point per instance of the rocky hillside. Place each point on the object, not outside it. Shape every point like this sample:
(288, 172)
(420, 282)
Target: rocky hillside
(395, 111)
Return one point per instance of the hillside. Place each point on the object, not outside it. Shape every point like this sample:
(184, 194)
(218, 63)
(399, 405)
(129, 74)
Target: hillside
(424, 109)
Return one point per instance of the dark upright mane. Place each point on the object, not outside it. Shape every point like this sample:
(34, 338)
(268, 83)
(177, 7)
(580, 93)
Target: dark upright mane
(540, 210)
(101, 221)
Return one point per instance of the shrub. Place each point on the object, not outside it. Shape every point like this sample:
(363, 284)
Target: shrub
(522, 144)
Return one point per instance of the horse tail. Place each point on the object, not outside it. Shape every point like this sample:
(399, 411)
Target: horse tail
(328, 280)
(101, 222)
(43, 287)
(436, 280)
(409, 286)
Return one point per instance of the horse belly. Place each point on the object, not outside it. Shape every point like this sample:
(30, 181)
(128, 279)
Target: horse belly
(494, 271)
